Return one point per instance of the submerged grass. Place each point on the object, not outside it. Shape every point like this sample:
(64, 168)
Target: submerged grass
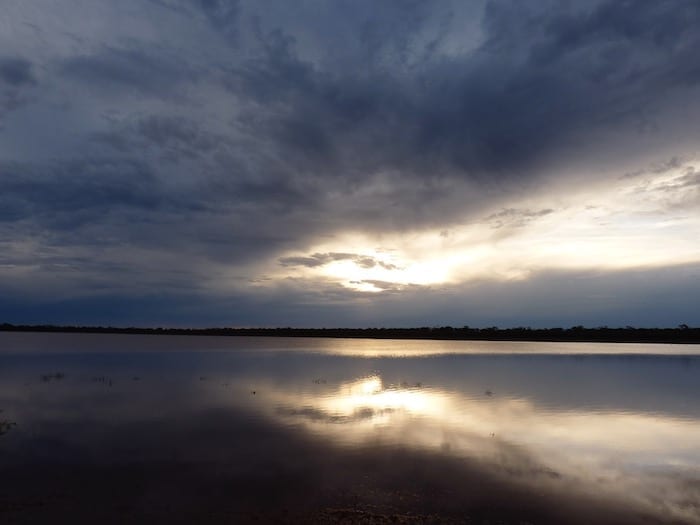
(6, 425)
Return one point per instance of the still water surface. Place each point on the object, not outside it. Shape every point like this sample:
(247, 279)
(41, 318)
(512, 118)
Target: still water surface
(614, 421)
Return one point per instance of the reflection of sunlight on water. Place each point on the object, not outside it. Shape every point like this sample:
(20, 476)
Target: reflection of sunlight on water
(369, 393)
(650, 458)
(625, 452)
(591, 424)
(372, 348)
(369, 385)
(422, 416)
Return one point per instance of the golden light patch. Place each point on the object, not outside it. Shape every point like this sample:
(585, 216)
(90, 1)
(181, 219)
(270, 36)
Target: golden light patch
(629, 222)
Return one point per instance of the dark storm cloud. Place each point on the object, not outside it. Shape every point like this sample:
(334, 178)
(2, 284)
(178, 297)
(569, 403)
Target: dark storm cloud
(113, 70)
(16, 72)
(166, 130)
(600, 66)
(546, 81)
(173, 136)
(541, 73)
(16, 80)
(72, 188)
(223, 14)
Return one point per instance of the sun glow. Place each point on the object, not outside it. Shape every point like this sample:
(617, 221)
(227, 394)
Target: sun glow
(377, 278)
(632, 222)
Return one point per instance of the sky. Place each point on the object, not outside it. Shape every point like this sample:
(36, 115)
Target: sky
(350, 163)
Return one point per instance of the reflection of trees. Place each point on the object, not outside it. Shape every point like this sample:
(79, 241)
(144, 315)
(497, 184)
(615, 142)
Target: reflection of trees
(6, 425)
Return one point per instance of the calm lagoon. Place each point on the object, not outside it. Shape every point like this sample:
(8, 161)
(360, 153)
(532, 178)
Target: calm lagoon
(184, 429)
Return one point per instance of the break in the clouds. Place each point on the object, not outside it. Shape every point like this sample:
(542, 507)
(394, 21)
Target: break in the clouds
(343, 163)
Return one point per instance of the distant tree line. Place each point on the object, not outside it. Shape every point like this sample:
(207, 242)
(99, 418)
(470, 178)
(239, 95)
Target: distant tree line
(682, 334)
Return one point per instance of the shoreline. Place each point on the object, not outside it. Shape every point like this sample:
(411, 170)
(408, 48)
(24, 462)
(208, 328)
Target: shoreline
(577, 334)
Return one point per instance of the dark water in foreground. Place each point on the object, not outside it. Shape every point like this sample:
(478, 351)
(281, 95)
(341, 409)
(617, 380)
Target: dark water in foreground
(125, 428)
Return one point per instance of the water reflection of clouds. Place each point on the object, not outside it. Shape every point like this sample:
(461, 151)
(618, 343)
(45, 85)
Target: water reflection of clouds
(649, 457)
(625, 425)
(635, 438)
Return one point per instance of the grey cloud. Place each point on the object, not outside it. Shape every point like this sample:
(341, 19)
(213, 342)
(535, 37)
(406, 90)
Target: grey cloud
(650, 297)
(77, 190)
(690, 179)
(114, 70)
(90, 203)
(304, 129)
(550, 70)
(661, 297)
(321, 259)
(309, 262)
(679, 185)
(165, 130)
(369, 262)
(222, 14)
(657, 168)
(515, 218)
(16, 80)
(174, 136)
(16, 72)
(489, 115)
(681, 192)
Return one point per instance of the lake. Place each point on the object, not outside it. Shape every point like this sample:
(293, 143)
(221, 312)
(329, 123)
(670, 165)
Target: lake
(184, 429)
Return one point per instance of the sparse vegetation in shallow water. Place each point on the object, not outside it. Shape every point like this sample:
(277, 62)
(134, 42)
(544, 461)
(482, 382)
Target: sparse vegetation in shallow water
(47, 378)
(6, 425)
(102, 379)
